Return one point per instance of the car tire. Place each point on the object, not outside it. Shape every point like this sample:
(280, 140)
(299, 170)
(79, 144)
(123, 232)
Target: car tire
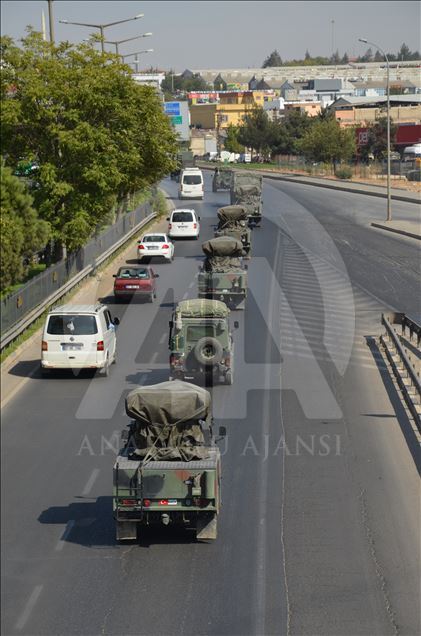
(202, 349)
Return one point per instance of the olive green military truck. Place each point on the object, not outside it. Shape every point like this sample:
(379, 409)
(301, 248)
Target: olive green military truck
(168, 471)
(221, 179)
(223, 276)
(246, 190)
(200, 342)
(232, 221)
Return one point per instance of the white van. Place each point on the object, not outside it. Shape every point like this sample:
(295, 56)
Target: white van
(79, 337)
(183, 223)
(191, 184)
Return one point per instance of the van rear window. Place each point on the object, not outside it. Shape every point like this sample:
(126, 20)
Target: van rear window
(192, 179)
(67, 325)
(182, 217)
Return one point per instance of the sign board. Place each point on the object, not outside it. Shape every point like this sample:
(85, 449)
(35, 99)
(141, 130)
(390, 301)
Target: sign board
(177, 119)
(172, 108)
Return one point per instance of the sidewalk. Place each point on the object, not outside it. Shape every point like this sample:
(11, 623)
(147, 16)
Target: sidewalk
(407, 228)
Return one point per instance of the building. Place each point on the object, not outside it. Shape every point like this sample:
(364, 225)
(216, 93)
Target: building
(230, 108)
(360, 111)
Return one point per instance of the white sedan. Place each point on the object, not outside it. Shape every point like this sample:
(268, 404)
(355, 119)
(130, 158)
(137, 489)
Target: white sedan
(155, 245)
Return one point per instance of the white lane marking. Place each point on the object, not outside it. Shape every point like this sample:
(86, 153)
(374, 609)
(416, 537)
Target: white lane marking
(191, 284)
(92, 479)
(62, 540)
(164, 335)
(21, 622)
(154, 357)
(185, 295)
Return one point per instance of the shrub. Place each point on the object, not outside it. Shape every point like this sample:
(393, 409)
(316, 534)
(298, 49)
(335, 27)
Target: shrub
(343, 172)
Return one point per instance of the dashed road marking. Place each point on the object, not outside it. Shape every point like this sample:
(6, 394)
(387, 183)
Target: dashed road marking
(63, 538)
(23, 618)
(92, 479)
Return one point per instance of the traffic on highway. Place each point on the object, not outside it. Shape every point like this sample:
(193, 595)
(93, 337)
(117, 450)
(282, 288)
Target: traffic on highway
(266, 480)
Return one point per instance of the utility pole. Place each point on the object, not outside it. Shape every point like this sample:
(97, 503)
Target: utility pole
(51, 20)
(333, 39)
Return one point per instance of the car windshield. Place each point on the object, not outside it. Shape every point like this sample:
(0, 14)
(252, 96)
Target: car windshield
(61, 325)
(192, 179)
(154, 238)
(196, 332)
(126, 272)
(180, 217)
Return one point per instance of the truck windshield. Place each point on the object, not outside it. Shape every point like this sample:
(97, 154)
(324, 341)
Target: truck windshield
(72, 325)
(196, 332)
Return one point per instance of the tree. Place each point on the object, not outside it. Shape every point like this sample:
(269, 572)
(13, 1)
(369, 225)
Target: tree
(307, 55)
(231, 142)
(274, 59)
(404, 52)
(327, 142)
(377, 139)
(96, 135)
(256, 131)
(335, 58)
(378, 57)
(174, 84)
(22, 233)
(345, 59)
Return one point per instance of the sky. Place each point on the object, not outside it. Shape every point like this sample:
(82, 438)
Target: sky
(224, 34)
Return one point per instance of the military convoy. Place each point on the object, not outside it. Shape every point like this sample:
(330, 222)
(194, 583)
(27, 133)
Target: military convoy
(168, 471)
(246, 190)
(232, 221)
(200, 342)
(223, 276)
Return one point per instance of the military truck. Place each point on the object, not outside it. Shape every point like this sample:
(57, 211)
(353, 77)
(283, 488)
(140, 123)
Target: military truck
(200, 342)
(185, 159)
(246, 190)
(223, 276)
(221, 179)
(232, 221)
(168, 471)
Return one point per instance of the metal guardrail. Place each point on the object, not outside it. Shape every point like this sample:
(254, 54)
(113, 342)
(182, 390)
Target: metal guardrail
(31, 316)
(401, 361)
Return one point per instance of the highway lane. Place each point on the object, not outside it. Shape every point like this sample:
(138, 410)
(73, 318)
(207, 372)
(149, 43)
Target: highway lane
(282, 490)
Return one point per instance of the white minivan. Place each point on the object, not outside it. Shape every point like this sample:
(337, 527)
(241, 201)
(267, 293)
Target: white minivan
(191, 184)
(79, 337)
(183, 223)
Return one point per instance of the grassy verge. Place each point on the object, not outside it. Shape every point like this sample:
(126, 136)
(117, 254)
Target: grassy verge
(159, 206)
(34, 270)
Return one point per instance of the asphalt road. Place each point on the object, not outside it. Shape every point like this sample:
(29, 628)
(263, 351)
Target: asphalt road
(320, 522)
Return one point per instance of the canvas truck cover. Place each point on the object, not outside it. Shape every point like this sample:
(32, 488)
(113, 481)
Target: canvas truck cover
(232, 214)
(166, 416)
(245, 178)
(222, 246)
(202, 308)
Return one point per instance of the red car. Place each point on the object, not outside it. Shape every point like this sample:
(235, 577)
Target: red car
(135, 281)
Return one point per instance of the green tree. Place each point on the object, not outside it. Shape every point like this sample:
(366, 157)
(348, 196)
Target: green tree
(345, 59)
(174, 84)
(256, 131)
(22, 232)
(231, 142)
(327, 142)
(96, 135)
(377, 139)
(274, 59)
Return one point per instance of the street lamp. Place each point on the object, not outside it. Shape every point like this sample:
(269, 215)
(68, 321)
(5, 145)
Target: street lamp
(101, 27)
(136, 61)
(117, 43)
(389, 208)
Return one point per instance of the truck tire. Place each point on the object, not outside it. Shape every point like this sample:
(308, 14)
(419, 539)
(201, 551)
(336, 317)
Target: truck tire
(208, 351)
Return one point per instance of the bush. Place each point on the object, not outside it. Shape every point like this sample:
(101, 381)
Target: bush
(343, 172)
(159, 203)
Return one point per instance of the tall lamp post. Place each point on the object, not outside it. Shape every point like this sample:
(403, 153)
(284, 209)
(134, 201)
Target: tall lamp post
(389, 207)
(117, 43)
(51, 20)
(136, 61)
(101, 27)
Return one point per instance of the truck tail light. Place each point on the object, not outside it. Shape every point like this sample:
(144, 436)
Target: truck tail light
(146, 503)
(44, 346)
(176, 360)
(163, 502)
(227, 361)
(100, 345)
(128, 502)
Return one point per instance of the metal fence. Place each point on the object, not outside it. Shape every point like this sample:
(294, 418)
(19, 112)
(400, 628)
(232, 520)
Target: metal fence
(39, 288)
